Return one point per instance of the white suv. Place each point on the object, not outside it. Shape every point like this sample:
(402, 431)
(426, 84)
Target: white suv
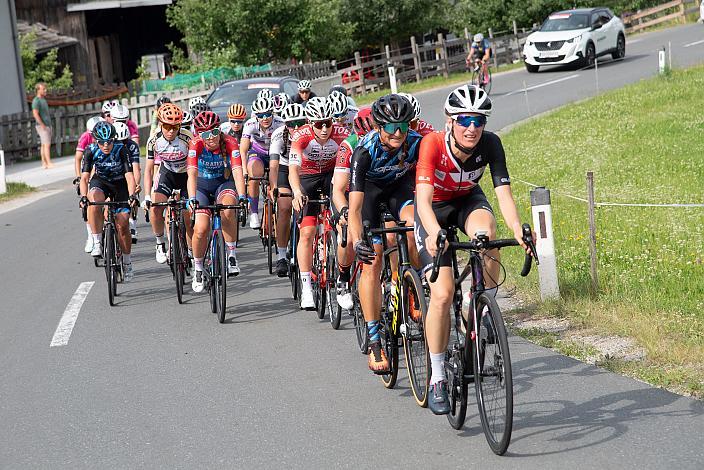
(575, 36)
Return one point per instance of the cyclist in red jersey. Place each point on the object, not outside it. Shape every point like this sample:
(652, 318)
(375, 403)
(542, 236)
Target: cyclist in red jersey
(214, 168)
(417, 124)
(311, 164)
(447, 193)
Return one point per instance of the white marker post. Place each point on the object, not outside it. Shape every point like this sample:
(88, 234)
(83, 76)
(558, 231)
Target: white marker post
(661, 61)
(3, 186)
(545, 243)
(392, 79)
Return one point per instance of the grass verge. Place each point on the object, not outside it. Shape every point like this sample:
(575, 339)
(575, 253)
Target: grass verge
(644, 144)
(15, 190)
(429, 84)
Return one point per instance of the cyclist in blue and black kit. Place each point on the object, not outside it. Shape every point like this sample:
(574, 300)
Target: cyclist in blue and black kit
(123, 137)
(112, 179)
(382, 172)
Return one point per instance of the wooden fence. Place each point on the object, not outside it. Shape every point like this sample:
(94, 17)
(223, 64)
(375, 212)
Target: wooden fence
(676, 10)
(420, 61)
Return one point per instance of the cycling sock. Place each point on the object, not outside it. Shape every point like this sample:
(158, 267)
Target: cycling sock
(373, 327)
(254, 205)
(231, 247)
(305, 281)
(280, 253)
(159, 239)
(96, 238)
(345, 273)
(126, 259)
(90, 232)
(198, 263)
(437, 362)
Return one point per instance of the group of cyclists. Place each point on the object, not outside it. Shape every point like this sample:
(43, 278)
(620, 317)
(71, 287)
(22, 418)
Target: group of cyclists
(310, 147)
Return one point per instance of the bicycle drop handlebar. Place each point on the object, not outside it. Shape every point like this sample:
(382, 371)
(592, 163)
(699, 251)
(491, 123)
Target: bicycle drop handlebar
(484, 244)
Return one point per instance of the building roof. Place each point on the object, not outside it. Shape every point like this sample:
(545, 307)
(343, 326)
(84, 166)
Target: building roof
(47, 38)
(83, 5)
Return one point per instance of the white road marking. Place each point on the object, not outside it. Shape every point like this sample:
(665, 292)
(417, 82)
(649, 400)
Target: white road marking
(551, 82)
(68, 320)
(694, 43)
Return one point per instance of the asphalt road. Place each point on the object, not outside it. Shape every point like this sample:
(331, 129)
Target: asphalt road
(153, 384)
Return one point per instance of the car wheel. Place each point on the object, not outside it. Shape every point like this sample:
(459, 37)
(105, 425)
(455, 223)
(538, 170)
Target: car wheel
(620, 52)
(531, 68)
(590, 55)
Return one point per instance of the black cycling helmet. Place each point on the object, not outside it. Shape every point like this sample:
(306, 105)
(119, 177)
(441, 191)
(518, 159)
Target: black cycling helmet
(392, 108)
(104, 131)
(162, 99)
(339, 88)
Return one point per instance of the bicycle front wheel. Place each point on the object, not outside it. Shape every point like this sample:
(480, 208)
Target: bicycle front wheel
(493, 379)
(176, 257)
(415, 309)
(110, 269)
(222, 277)
(318, 276)
(360, 324)
(270, 236)
(334, 310)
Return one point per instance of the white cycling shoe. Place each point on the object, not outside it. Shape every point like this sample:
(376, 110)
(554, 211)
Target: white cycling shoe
(254, 221)
(197, 284)
(160, 253)
(88, 247)
(307, 300)
(97, 250)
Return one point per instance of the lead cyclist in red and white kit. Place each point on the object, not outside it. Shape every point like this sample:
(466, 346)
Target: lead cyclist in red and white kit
(450, 165)
(311, 164)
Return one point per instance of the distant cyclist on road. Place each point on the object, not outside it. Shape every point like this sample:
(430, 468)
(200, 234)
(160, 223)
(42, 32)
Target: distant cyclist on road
(480, 52)
(304, 92)
(236, 117)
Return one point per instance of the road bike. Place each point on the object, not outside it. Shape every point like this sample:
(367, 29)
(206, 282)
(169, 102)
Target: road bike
(267, 229)
(480, 77)
(404, 309)
(112, 254)
(215, 262)
(478, 350)
(177, 256)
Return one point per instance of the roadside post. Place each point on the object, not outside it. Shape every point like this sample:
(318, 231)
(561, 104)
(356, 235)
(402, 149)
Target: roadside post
(3, 186)
(392, 79)
(545, 243)
(661, 61)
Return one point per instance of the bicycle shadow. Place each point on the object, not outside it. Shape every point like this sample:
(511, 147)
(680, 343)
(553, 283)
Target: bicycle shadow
(257, 311)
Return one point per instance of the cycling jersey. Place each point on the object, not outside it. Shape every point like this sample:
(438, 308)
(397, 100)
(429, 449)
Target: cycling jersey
(297, 98)
(278, 150)
(212, 164)
(312, 156)
(84, 141)
(133, 149)
(226, 128)
(370, 162)
(452, 178)
(344, 154)
(171, 155)
(108, 167)
(132, 127)
(480, 49)
(424, 128)
(260, 138)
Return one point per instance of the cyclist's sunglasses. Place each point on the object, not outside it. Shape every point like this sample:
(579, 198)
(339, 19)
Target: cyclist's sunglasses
(236, 121)
(392, 127)
(264, 115)
(320, 124)
(296, 124)
(106, 142)
(340, 115)
(171, 127)
(210, 134)
(466, 121)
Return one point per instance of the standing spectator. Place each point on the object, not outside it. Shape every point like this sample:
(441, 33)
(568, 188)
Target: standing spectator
(40, 111)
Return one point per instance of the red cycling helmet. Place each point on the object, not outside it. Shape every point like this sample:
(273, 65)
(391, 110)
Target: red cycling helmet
(363, 123)
(205, 121)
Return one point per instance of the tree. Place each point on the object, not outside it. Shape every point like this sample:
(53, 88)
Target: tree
(43, 70)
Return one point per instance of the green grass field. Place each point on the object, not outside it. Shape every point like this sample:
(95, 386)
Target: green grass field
(645, 144)
(15, 190)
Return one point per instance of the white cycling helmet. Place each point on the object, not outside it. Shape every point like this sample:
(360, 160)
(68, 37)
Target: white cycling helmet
(90, 123)
(265, 93)
(196, 100)
(263, 105)
(122, 132)
(479, 37)
(304, 85)
(108, 105)
(187, 118)
(293, 112)
(318, 109)
(414, 102)
(120, 112)
(280, 102)
(338, 103)
(468, 99)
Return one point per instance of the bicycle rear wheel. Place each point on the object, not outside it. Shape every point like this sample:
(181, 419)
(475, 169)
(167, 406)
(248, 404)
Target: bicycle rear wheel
(176, 258)
(110, 271)
(493, 379)
(334, 310)
(414, 343)
(293, 265)
(221, 274)
(270, 236)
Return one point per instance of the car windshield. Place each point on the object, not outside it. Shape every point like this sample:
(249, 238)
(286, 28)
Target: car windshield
(239, 93)
(565, 22)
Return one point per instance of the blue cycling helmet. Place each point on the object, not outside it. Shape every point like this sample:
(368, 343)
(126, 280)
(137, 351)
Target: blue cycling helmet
(104, 131)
